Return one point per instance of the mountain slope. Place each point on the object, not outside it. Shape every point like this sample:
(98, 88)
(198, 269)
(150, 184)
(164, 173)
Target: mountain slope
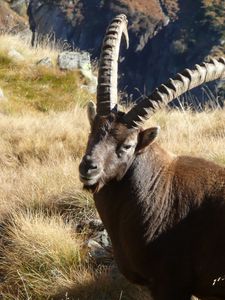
(165, 36)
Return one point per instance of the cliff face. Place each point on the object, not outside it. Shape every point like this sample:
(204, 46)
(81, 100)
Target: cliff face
(165, 36)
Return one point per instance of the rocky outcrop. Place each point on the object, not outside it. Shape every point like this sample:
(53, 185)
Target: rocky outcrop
(165, 36)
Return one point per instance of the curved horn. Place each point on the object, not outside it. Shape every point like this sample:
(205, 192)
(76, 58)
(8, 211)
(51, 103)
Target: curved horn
(108, 68)
(182, 82)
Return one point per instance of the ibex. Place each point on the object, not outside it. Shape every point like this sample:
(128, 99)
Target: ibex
(165, 214)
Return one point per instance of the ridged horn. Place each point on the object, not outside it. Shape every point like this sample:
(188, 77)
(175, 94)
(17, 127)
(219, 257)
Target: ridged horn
(181, 83)
(108, 66)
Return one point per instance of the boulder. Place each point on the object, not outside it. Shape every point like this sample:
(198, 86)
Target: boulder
(79, 61)
(98, 244)
(103, 239)
(75, 60)
(98, 253)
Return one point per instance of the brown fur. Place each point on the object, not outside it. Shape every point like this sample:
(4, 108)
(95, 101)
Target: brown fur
(165, 214)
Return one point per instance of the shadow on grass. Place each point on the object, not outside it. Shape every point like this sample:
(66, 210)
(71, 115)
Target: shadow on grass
(104, 286)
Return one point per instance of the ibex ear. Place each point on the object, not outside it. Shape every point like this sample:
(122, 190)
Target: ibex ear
(146, 137)
(91, 112)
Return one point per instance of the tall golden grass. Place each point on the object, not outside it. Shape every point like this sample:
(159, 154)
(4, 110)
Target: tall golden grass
(41, 199)
(40, 189)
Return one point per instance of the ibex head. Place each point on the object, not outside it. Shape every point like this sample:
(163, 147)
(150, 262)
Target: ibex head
(116, 138)
(111, 149)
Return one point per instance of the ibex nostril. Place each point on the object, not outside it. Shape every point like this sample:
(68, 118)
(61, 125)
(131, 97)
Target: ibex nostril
(89, 163)
(93, 166)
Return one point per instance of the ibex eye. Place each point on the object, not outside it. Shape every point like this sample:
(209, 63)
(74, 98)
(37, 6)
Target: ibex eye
(126, 147)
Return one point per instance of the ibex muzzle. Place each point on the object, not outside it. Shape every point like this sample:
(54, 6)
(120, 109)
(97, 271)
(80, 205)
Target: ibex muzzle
(89, 170)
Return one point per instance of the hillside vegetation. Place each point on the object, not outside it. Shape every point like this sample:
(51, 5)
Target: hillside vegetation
(38, 88)
(43, 130)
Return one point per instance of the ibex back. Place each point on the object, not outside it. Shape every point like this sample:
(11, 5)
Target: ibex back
(165, 214)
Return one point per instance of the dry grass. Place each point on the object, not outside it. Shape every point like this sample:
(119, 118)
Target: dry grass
(40, 191)
(197, 134)
(41, 198)
(40, 254)
(23, 45)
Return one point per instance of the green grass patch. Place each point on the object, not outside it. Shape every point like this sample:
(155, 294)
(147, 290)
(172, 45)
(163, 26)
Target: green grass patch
(39, 88)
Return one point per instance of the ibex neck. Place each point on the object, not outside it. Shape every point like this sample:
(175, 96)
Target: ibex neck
(151, 179)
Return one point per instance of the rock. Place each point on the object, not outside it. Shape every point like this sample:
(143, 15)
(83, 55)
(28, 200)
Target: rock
(96, 224)
(99, 244)
(98, 253)
(46, 62)
(15, 55)
(74, 60)
(103, 239)
(79, 61)
(85, 61)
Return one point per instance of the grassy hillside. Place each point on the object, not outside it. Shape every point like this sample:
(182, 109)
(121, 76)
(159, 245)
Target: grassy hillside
(43, 129)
